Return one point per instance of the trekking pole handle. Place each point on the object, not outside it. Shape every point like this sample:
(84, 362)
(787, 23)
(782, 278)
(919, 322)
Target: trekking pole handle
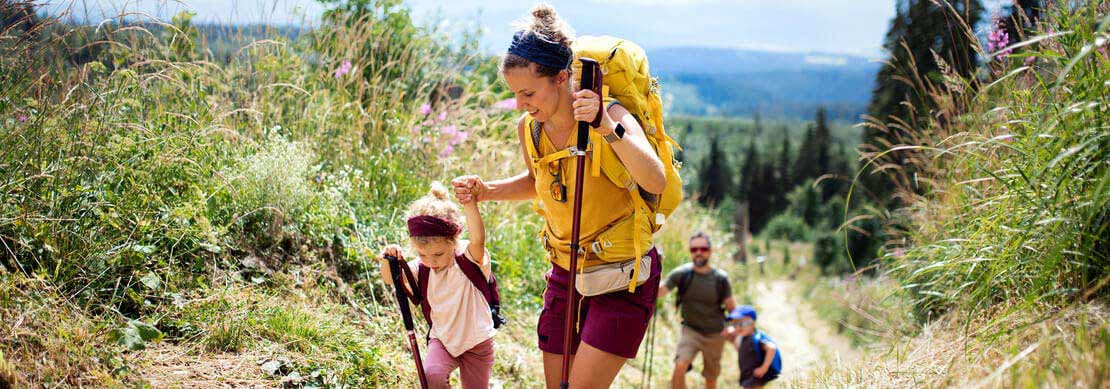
(590, 79)
(399, 290)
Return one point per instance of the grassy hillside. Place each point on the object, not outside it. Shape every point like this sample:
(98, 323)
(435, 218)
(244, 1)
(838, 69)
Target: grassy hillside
(175, 214)
(998, 273)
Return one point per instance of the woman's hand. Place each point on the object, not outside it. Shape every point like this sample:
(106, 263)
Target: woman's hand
(587, 104)
(469, 189)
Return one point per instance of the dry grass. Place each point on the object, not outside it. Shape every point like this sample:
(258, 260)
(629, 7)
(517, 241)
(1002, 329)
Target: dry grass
(48, 339)
(1067, 349)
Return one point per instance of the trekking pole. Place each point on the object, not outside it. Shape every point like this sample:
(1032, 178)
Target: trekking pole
(395, 267)
(646, 378)
(651, 356)
(590, 80)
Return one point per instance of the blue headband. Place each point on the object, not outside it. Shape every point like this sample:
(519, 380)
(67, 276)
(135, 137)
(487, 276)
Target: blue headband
(532, 47)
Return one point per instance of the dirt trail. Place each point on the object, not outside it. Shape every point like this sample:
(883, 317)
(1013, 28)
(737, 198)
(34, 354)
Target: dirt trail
(807, 341)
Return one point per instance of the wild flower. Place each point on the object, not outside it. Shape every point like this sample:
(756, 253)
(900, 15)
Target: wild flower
(343, 69)
(446, 151)
(507, 104)
(998, 40)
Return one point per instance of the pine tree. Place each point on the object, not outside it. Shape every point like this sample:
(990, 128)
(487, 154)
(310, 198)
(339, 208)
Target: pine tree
(747, 171)
(762, 196)
(919, 29)
(784, 177)
(715, 177)
(805, 165)
(822, 140)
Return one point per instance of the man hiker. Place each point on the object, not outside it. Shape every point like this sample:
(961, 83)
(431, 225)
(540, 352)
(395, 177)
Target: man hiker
(702, 292)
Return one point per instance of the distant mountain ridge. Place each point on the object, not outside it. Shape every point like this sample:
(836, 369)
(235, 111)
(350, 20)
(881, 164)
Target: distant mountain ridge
(738, 82)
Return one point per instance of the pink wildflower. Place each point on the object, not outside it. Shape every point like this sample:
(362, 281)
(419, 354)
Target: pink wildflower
(998, 39)
(343, 69)
(449, 130)
(461, 136)
(507, 104)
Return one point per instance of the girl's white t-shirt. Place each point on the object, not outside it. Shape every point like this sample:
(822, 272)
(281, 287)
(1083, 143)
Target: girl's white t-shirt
(460, 314)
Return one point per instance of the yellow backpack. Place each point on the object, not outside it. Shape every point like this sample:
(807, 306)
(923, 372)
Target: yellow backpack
(624, 66)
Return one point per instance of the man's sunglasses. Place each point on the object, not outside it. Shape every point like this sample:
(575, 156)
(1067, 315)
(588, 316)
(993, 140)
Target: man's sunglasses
(699, 249)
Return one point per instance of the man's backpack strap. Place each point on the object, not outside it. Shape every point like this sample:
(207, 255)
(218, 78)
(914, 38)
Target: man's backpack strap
(722, 289)
(684, 279)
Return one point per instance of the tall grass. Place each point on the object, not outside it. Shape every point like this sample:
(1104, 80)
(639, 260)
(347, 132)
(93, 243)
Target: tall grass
(1000, 248)
(1008, 203)
(141, 170)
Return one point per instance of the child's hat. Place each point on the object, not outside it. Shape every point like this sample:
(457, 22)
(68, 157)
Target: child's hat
(741, 311)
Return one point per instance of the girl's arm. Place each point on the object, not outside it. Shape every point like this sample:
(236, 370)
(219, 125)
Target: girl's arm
(474, 225)
(633, 149)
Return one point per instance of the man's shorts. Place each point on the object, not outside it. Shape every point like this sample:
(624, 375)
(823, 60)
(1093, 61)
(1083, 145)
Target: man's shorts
(710, 346)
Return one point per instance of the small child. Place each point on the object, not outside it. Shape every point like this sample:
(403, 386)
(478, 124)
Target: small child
(759, 357)
(462, 327)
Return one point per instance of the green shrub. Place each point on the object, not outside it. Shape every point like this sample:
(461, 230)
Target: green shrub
(787, 226)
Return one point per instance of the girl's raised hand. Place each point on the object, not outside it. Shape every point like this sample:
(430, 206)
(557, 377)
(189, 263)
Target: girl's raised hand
(469, 189)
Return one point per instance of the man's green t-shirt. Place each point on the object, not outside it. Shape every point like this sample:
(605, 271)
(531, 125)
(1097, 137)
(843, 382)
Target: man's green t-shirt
(701, 305)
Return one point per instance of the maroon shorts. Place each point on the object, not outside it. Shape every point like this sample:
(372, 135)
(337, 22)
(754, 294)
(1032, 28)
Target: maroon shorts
(614, 322)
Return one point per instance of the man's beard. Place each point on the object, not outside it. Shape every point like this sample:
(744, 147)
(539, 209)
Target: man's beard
(700, 262)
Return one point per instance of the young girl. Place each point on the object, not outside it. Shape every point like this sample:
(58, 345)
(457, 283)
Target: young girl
(462, 328)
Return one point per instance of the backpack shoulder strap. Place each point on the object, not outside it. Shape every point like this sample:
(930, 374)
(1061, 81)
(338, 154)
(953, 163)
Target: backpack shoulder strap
(535, 129)
(473, 273)
(422, 274)
(684, 279)
(757, 344)
(722, 287)
(488, 287)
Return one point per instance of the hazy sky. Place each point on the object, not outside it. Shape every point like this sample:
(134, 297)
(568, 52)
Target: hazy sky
(835, 26)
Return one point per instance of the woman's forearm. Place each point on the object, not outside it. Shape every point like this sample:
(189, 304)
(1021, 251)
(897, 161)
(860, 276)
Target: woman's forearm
(635, 151)
(519, 187)
(644, 167)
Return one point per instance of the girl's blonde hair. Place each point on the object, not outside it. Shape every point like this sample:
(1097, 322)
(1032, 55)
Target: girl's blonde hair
(436, 203)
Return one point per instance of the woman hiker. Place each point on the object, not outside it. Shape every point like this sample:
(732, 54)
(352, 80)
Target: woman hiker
(609, 326)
